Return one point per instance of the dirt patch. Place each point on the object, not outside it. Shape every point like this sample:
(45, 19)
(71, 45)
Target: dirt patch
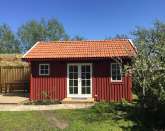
(53, 120)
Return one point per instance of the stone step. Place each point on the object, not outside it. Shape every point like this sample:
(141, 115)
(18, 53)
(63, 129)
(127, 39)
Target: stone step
(78, 100)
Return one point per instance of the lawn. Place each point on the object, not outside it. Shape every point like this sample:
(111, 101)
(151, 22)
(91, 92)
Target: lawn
(71, 120)
(95, 119)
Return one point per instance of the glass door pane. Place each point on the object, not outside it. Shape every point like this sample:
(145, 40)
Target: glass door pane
(73, 79)
(85, 79)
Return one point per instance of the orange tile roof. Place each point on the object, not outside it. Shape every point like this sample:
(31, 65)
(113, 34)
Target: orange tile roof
(82, 49)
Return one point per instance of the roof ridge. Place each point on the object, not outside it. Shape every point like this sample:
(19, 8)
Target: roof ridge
(66, 41)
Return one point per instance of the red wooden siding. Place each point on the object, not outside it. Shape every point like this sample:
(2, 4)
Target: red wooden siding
(55, 85)
(104, 89)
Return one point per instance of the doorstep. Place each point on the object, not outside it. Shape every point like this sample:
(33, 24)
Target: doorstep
(77, 100)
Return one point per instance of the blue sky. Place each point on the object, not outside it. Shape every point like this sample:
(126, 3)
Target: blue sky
(92, 19)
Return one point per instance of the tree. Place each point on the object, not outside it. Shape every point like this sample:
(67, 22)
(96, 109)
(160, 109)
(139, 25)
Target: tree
(33, 31)
(149, 66)
(77, 37)
(8, 41)
(117, 36)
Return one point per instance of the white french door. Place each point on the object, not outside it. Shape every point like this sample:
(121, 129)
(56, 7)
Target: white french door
(79, 80)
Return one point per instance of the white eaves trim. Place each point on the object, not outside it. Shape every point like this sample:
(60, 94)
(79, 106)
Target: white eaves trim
(130, 41)
(30, 49)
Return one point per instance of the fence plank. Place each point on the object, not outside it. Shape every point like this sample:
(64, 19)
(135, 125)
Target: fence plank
(9, 74)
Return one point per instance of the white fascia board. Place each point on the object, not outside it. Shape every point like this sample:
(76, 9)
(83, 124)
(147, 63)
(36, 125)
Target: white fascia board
(30, 49)
(131, 42)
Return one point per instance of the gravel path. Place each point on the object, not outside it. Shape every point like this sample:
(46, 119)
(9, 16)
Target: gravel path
(13, 107)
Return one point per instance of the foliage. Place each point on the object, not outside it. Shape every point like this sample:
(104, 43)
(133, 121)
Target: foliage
(9, 56)
(43, 102)
(149, 65)
(8, 40)
(33, 31)
(149, 71)
(137, 118)
(104, 107)
(77, 37)
(104, 110)
(117, 36)
(13, 63)
(12, 60)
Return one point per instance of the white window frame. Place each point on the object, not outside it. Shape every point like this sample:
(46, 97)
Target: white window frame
(79, 95)
(40, 74)
(121, 72)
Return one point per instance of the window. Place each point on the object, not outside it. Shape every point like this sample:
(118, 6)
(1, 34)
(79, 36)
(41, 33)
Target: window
(44, 69)
(116, 74)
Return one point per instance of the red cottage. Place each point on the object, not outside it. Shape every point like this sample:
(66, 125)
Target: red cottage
(90, 70)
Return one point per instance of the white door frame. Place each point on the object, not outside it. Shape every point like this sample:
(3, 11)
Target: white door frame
(79, 95)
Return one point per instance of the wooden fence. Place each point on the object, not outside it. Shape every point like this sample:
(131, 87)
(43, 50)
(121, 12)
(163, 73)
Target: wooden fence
(14, 76)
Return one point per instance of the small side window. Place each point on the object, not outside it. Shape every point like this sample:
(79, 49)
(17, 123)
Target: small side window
(44, 69)
(116, 72)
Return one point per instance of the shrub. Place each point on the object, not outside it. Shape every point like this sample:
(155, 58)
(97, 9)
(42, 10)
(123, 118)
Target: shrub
(43, 102)
(104, 107)
(104, 110)
(101, 111)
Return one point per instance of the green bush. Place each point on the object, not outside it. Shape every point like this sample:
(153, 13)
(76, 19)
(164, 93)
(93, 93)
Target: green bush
(102, 111)
(104, 107)
(43, 102)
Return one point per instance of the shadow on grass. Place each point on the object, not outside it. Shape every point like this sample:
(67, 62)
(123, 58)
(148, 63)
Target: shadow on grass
(128, 116)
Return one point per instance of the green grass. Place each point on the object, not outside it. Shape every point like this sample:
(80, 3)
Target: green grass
(34, 121)
(78, 120)
(94, 119)
(22, 121)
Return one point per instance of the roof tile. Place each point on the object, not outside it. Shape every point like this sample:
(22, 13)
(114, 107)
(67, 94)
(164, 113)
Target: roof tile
(80, 49)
